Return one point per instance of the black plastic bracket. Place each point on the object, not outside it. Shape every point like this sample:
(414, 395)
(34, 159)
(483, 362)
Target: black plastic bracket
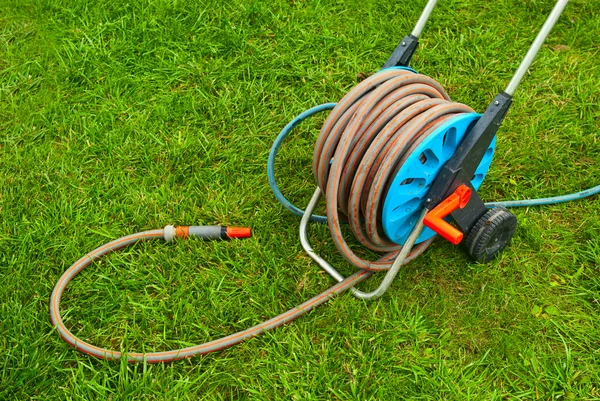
(403, 53)
(461, 167)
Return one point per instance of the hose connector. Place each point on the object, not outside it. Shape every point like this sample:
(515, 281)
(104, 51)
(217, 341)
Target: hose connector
(207, 233)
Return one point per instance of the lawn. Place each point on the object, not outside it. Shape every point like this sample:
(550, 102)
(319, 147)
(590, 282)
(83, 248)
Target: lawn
(123, 116)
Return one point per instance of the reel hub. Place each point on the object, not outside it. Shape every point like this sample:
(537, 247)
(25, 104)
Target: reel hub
(408, 191)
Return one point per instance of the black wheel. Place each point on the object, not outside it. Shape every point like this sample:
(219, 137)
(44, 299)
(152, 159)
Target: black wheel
(491, 234)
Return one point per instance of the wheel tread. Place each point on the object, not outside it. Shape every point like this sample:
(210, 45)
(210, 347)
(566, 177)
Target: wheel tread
(485, 230)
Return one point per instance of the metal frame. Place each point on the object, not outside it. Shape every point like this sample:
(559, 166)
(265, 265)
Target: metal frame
(535, 46)
(391, 273)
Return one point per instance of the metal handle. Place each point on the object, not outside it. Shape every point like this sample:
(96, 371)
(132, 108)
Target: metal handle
(535, 46)
(423, 18)
(405, 50)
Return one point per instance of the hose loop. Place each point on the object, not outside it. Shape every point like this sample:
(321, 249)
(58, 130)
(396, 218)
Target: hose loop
(188, 352)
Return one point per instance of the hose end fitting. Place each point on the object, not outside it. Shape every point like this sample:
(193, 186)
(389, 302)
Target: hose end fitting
(238, 232)
(169, 233)
(206, 232)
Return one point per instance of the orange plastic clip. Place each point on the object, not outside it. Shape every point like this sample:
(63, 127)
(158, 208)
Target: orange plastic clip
(182, 231)
(435, 218)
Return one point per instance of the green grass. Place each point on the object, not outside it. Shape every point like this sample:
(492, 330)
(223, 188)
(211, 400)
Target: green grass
(117, 117)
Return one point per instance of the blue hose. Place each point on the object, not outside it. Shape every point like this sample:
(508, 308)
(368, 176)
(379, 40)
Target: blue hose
(547, 201)
(328, 106)
(273, 154)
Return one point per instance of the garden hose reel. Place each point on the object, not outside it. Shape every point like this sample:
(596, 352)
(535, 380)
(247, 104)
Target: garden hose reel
(438, 177)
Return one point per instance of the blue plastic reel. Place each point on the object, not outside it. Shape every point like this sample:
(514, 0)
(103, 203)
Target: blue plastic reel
(404, 200)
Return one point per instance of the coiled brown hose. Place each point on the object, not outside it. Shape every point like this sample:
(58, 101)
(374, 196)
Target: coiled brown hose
(363, 143)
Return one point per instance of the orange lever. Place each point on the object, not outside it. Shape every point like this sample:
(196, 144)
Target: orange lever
(435, 218)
